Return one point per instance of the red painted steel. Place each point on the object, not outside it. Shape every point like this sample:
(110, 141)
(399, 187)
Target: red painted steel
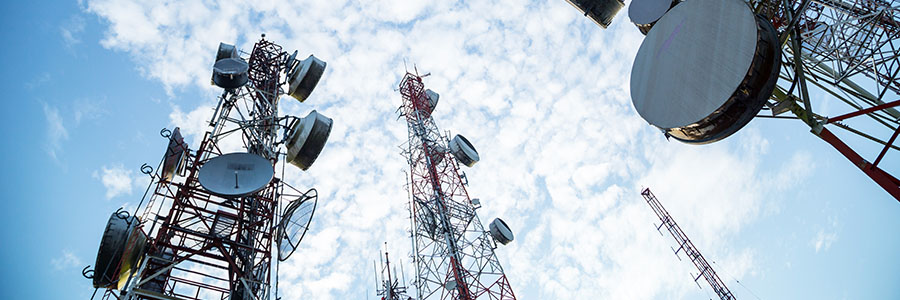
(208, 247)
(454, 255)
(888, 182)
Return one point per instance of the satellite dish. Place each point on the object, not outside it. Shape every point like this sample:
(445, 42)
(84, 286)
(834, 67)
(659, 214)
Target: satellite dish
(307, 138)
(236, 174)
(304, 77)
(175, 155)
(463, 150)
(432, 98)
(599, 11)
(295, 222)
(121, 248)
(705, 70)
(451, 285)
(645, 13)
(427, 218)
(231, 73)
(436, 150)
(501, 232)
(291, 63)
(226, 51)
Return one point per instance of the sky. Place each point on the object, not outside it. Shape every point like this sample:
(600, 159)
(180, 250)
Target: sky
(541, 91)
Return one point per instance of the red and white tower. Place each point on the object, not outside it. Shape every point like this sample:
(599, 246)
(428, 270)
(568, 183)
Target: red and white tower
(454, 254)
(390, 287)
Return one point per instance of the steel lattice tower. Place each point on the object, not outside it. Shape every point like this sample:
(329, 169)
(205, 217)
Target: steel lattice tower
(851, 50)
(685, 244)
(454, 255)
(203, 246)
(390, 288)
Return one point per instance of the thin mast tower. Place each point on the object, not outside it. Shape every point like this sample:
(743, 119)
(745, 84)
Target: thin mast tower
(214, 220)
(390, 288)
(454, 255)
(706, 271)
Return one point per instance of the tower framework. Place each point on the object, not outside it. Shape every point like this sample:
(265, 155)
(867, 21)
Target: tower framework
(850, 49)
(204, 244)
(454, 255)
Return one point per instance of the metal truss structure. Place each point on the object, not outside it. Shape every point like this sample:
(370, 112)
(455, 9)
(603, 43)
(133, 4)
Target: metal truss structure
(390, 288)
(851, 50)
(454, 255)
(203, 246)
(685, 245)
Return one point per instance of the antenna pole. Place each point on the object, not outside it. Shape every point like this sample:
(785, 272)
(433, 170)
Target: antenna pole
(687, 247)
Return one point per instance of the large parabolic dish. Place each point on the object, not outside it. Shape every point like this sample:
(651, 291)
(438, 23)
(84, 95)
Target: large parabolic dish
(295, 222)
(236, 174)
(705, 70)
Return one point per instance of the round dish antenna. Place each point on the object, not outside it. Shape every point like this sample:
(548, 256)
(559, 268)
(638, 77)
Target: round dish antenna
(432, 99)
(236, 174)
(175, 155)
(295, 222)
(226, 51)
(436, 150)
(645, 13)
(705, 70)
(303, 76)
(599, 11)
(231, 73)
(121, 247)
(427, 218)
(501, 232)
(307, 138)
(463, 150)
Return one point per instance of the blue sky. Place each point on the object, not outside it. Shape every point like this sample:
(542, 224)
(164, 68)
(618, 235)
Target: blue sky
(539, 89)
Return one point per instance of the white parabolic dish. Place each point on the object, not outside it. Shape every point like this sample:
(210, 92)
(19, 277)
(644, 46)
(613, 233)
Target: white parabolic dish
(692, 61)
(644, 12)
(236, 174)
(500, 231)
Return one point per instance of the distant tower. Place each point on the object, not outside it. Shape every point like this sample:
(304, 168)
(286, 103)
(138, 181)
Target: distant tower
(213, 221)
(706, 271)
(390, 288)
(454, 255)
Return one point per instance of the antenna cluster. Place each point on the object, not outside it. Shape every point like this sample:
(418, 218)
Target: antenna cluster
(211, 220)
(454, 254)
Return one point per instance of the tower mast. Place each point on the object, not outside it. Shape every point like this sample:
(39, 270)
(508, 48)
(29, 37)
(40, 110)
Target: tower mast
(685, 244)
(454, 255)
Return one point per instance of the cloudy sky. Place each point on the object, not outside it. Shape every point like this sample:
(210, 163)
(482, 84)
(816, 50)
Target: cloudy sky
(541, 91)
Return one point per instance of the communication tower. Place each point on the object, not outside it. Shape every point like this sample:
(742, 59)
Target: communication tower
(685, 245)
(212, 221)
(706, 68)
(390, 288)
(454, 254)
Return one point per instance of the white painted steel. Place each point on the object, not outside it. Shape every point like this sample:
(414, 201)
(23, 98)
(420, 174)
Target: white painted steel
(692, 61)
(236, 174)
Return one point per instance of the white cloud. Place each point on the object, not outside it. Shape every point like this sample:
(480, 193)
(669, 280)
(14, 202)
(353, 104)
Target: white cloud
(539, 90)
(826, 236)
(66, 260)
(56, 131)
(84, 109)
(71, 31)
(116, 179)
(823, 240)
